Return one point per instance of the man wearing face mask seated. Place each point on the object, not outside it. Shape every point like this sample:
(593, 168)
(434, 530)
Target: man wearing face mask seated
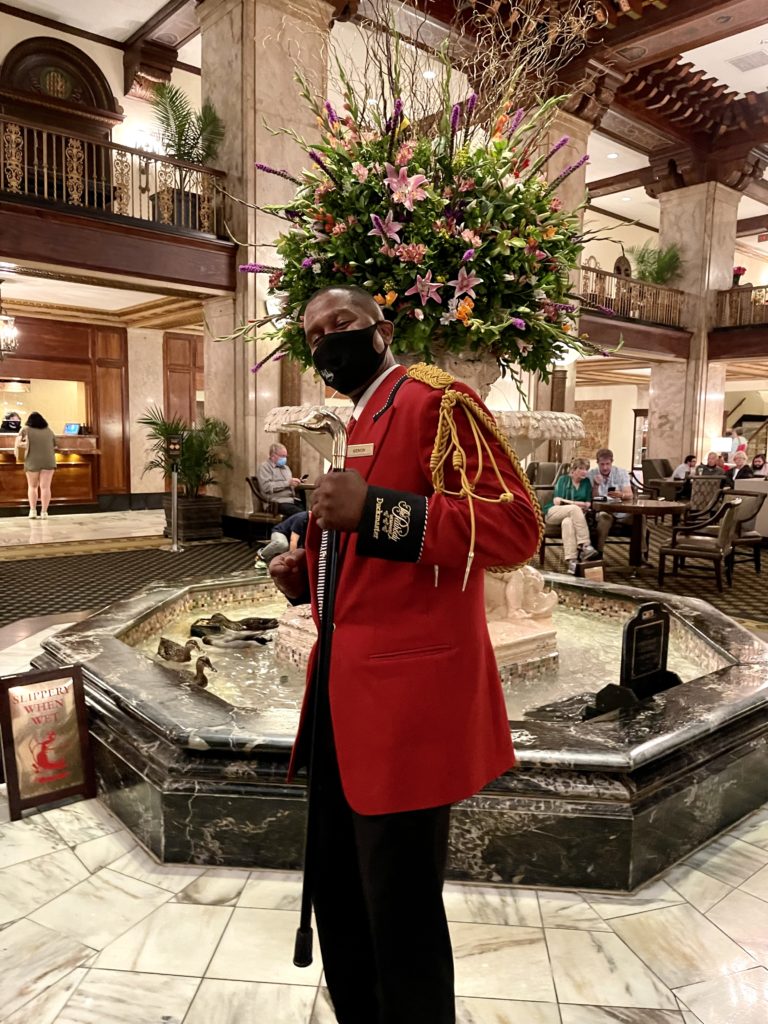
(414, 718)
(277, 482)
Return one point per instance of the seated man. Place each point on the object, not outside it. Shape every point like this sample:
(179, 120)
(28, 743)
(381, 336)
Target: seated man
(685, 468)
(609, 481)
(276, 482)
(711, 466)
(684, 472)
(286, 536)
(741, 470)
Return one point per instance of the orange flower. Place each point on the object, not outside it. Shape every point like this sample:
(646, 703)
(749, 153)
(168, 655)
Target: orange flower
(501, 124)
(550, 232)
(385, 300)
(464, 310)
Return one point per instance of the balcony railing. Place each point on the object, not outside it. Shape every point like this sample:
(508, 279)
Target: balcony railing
(741, 307)
(105, 179)
(636, 300)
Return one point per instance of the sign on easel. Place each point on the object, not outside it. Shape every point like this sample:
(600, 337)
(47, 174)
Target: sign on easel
(44, 738)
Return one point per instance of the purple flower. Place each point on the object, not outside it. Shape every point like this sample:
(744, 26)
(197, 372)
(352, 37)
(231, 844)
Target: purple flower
(518, 323)
(307, 262)
(257, 268)
(471, 104)
(455, 117)
(332, 118)
(467, 255)
(280, 173)
(558, 146)
(566, 173)
(386, 228)
(514, 124)
(315, 156)
(606, 310)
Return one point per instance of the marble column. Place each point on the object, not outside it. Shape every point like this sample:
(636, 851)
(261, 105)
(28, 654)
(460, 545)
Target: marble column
(572, 191)
(666, 434)
(145, 388)
(701, 221)
(250, 49)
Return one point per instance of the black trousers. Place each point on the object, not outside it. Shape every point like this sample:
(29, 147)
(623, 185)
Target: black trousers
(289, 508)
(377, 895)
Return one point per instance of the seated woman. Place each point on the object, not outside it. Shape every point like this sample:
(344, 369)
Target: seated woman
(572, 498)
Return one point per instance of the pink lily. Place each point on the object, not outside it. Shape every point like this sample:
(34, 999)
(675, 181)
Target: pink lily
(404, 189)
(386, 227)
(425, 288)
(465, 283)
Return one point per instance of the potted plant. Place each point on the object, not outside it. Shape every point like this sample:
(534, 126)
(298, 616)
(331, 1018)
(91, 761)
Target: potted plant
(654, 265)
(189, 135)
(203, 449)
(738, 273)
(440, 208)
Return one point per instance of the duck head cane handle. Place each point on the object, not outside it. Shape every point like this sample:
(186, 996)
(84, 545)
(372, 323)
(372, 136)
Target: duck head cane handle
(319, 420)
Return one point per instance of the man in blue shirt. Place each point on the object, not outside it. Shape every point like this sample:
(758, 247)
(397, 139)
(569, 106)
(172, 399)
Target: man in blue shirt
(609, 481)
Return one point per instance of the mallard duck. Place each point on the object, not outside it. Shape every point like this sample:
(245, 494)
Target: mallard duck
(236, 641)
(200, 678)
(255, 623)
(238, 625)
(172, 651)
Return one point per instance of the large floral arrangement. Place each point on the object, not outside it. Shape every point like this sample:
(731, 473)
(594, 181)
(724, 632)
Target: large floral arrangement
(454, 229)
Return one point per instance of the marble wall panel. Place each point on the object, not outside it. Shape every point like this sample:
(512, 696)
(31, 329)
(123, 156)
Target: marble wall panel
(145, 388)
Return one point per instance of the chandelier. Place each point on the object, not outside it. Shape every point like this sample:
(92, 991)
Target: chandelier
(9, 333)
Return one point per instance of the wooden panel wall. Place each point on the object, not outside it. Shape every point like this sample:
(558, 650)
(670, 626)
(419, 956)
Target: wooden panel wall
(182, 374)
(111, 404)
(97, 356)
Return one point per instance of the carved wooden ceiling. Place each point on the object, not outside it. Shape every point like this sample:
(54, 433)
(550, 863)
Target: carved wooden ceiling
(633, 82)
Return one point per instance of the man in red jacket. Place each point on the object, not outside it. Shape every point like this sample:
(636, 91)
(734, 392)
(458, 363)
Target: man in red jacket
(415, 717)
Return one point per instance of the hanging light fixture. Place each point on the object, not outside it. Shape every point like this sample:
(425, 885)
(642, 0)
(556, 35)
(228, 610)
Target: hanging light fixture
(9, 332)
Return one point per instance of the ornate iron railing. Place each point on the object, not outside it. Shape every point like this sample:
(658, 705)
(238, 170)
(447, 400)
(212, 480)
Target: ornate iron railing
(103, 178)
(631, 299)
(739, 307)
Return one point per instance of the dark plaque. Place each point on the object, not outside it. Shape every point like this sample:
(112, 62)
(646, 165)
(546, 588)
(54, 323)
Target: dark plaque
(643, 663)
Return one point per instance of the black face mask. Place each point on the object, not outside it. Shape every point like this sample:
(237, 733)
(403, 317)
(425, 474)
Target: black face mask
(347, 360)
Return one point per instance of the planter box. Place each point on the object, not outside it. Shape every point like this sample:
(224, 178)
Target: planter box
(199, 518)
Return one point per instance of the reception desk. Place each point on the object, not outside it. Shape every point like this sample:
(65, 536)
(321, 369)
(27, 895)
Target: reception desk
(74, 482)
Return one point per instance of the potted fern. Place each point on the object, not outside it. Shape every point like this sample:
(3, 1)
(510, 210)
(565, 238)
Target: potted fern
(188, 135)
(204, 448)
(654, 265)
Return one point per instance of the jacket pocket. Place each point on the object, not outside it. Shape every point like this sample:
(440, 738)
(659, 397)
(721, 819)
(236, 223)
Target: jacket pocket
(418, 652)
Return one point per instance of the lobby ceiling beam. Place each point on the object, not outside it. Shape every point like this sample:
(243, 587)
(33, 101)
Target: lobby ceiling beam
(155, 24)
(682, 25)
(620, 183)
(752, 225)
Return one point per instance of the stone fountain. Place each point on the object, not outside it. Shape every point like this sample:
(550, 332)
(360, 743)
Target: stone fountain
(519, 610)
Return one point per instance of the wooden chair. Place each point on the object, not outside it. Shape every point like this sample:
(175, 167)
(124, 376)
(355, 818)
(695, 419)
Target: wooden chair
(552, 531)
(745, 536)
(688, 542)
(265, 513)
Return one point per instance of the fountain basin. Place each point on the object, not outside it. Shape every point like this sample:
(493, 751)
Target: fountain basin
(199, 776)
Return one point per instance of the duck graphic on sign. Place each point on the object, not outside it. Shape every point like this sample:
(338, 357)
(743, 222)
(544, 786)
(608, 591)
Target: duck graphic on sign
(47, 767)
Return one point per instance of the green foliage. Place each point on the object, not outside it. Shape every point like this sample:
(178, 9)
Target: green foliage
(203, 448)
(193, 136)
(654, 265)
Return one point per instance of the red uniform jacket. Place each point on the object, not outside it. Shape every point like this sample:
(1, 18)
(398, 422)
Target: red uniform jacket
(418, 712)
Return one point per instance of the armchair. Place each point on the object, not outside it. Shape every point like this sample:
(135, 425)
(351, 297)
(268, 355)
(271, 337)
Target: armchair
(689, 542)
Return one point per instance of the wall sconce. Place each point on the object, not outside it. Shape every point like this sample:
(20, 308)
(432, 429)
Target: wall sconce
(9, 333)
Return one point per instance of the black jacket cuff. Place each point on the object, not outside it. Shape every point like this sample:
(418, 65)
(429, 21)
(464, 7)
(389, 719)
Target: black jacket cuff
(393, 525)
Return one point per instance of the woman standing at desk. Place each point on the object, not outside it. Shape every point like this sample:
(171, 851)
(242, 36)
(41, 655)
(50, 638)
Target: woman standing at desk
(39, 461)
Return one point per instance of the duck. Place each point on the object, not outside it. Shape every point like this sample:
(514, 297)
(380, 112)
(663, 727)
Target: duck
(250, 624)
(172, 651)
(200, 679)
(232, 640)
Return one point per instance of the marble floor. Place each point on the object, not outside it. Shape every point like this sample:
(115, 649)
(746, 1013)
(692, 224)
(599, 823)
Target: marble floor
(55, 529)
(94, 931)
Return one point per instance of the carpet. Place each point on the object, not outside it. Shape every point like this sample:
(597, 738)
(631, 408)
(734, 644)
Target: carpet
(45, 586)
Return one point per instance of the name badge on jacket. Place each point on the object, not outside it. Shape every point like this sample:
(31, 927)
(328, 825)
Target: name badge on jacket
(359, 451)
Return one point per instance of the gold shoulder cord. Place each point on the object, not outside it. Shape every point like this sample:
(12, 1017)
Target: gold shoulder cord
(447, 445)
